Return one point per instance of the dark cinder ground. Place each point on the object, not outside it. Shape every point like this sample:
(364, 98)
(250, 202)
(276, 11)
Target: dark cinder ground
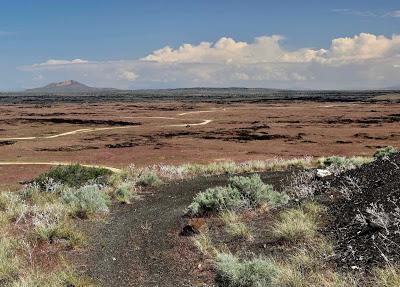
(134, 247)
(139, 245)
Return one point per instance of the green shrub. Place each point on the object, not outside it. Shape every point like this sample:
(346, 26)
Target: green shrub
(12, 206)
(256, 272)
(242, 192)
(125, 192)
(86, 201)
(74, 175)
(255, 192)
(215, 199)
(50, 223)
(59, 231)
(344, 163)
(337, 161)
(149, 178)
(385, 152)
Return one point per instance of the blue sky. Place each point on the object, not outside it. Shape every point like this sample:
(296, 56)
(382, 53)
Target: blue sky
(113, 37)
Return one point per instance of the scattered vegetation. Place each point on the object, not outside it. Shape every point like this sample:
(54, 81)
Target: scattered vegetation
(343, 163)
(242, 192)
(299, 252)
(125, 192)
(74, 175)
(223, 167)
(385, 152)
(204, 244)
(234, 226)
(86, 201)
(9, 263)
(387, 277)
(45, 208)
(40, 215)
(149, 178)
(255, 272)
(295, 225)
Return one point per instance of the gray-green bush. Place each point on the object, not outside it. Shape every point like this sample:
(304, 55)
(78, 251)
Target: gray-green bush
(87, 200)
(255, 192)
(215, 199)
(124, 192)
(74, 175)
(255, 272)
(149, 178)
(385, 152)
(242, 192)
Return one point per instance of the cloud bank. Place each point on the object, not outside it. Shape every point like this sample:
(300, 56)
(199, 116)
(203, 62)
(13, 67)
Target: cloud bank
(361, 61)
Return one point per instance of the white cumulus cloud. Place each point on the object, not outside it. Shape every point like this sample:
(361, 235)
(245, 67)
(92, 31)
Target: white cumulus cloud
(268, 49)
(362, 61)
(395, 14)
(53, 62)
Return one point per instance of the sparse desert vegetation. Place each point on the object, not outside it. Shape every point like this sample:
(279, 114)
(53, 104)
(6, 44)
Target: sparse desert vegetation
(251, 213)
(264, 213)
(299, 239)
(41, 215)
(242, 192)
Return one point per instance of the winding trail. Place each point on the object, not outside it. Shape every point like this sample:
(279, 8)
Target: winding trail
(205, 122)
(91, 130)
(74, 132)
(139, 245)
(199, 112)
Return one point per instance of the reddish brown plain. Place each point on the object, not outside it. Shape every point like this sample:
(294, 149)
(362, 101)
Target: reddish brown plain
(176, 132)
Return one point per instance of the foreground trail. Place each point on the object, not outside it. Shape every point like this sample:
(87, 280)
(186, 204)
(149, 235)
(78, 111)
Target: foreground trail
(140, 243)
(135, 247)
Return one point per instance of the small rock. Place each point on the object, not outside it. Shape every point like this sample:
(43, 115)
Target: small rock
(188, 230)
(193, 227)
(323, 173)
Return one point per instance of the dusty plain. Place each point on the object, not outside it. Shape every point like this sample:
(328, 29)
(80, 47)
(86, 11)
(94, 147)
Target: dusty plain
(117, 134)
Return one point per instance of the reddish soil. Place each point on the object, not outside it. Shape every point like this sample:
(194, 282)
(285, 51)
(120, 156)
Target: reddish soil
(242, 131)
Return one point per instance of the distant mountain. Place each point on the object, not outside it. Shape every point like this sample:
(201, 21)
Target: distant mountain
(67, 87)
(396, 87)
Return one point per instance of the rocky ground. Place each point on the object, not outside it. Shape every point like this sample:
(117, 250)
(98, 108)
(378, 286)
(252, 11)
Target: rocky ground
(364, 211)
(140, 244)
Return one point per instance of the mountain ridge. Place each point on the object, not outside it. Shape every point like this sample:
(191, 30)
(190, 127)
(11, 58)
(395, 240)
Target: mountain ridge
(66, 87)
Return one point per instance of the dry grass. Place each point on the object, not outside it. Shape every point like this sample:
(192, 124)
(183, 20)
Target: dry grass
(234, 226)
(388, 276)
(9, 262)
(295, 225)
(205, 245)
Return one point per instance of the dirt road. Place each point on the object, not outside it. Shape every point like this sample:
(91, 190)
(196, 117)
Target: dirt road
(91, 130)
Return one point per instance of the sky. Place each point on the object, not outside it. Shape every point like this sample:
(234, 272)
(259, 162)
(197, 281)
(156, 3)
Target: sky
(313, 44)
